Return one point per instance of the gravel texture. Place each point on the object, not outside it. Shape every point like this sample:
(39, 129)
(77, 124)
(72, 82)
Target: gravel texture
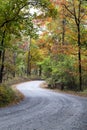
(43, 109)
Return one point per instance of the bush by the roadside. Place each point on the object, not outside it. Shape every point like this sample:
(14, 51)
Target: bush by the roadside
(7, 95)
(10, 95)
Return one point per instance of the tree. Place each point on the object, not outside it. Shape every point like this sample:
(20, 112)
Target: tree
(77, 13)
(16, 19)
(67, 35)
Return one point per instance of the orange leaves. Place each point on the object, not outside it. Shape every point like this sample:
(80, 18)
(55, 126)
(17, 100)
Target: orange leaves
(64, 49)
(48, 20)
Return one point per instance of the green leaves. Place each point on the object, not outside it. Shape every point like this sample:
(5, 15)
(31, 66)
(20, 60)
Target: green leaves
(60, 71)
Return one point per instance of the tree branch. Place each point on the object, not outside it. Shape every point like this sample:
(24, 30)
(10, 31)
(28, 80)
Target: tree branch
(68, 9)
(16, 14)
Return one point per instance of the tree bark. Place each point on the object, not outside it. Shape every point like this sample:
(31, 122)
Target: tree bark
(2, 56)
(79, 45)
(40, 70)
(28, 65)
(63, 37)
(77, 18)
(29, 60)
(14, 63)
(2, 66)
(79, 58)
(63, 28)
(2, 42)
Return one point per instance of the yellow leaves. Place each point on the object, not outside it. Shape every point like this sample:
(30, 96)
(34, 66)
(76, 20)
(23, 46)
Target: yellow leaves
(51, 6)
(84, 52)
(21, 26)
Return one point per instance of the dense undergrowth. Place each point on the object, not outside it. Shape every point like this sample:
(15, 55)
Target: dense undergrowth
(62, 73)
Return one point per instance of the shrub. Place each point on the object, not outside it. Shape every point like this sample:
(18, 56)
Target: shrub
(7, 95)
(62, 73)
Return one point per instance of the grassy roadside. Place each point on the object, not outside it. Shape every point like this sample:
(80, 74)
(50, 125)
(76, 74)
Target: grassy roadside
(82, 94)
(9, 94)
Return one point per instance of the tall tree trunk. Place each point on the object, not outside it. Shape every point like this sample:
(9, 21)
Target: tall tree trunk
(63, 38)
(79, 58)
(79, 44)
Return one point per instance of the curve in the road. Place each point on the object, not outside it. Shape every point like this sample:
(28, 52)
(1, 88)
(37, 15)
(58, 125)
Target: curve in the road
(44, 110)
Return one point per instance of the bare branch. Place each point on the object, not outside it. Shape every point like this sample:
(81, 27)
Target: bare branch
(76, 19)
(68, 9)
(79, 15)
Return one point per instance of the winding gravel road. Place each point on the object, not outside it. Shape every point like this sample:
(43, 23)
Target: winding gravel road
(44, 110)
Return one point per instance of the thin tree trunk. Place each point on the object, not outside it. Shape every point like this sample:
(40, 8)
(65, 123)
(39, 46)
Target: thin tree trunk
(63, 38)
(79, 59)
(63, 33)
(63, 29)
(40, 70)
(14, 63)
(2, 41)
(2, 66)
(2, 56)
(28, 65)
(29, 60)
(79, 46)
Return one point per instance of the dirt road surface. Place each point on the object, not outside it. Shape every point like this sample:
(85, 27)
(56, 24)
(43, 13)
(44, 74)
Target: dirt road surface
(44, 110)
